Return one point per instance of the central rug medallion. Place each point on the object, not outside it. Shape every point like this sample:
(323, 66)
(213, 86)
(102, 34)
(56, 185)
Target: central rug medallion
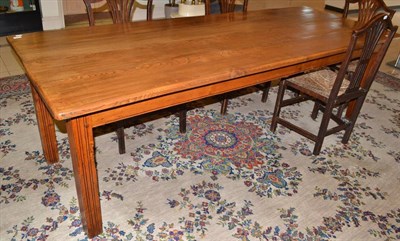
(236, 146)
(223, 140)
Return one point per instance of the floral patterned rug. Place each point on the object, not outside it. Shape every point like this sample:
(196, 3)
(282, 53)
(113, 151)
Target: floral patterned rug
(227, 178)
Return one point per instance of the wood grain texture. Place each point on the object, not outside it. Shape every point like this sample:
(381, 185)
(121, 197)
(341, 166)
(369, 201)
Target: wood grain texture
(46, 129)
(192, 94)
(107, 66)
(81, 142)
(98, 75)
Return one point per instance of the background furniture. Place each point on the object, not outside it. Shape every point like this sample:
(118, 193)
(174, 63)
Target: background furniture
(90, 10)
(230, 6)
(28, 20)
(338, 5)
(367, 9)
(120, 10)
(226, 6)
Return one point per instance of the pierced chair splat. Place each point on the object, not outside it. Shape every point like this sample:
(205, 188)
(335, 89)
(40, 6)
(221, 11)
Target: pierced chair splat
(330, 90)
(120, 10)
(367, 9)
(90, 10)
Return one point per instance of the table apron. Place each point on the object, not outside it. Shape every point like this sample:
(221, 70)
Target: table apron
(186, 96)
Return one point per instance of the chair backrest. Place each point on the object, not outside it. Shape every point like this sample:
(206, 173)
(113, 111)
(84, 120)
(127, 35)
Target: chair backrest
(226, 6)
(120, 10)
(375, 38)
(367, 9)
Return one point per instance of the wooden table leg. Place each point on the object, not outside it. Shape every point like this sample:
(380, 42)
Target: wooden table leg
(46, 129)
(80, 134)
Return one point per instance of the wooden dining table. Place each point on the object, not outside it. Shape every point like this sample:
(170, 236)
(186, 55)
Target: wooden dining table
(92, 76)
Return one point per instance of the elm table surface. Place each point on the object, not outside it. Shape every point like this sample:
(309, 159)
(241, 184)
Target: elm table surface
(92, 76)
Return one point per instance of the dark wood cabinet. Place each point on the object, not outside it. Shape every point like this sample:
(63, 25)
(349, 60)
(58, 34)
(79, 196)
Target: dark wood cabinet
(16, 22)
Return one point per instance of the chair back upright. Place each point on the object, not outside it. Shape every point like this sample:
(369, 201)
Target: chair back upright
(375, 38)
(90, 10)
(367, 9)
(121, 10)
(228, 6)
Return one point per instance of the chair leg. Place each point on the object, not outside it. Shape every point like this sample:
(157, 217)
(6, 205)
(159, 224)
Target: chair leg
(352, 119)
(266, 88)
(340, 111)
(314, 113)
(121, 137)
(224, 105)
(322, 130)
(182, 120)
(277, 110)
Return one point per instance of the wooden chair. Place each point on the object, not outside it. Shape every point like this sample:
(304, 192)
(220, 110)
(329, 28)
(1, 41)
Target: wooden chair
(331, 89)
(90, 10)
(229, 6)
(226, 6)
(120, 10)
(367, 9)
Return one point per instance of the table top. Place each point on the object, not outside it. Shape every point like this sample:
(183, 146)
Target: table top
(90, 69)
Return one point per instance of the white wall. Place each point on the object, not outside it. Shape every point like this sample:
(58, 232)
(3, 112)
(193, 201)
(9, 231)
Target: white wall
(52, 14)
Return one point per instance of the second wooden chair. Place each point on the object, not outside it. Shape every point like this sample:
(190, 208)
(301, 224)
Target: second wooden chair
(330, 90)
(120, 10)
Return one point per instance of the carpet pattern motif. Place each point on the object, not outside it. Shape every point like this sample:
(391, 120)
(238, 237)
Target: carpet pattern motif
(227, 178)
